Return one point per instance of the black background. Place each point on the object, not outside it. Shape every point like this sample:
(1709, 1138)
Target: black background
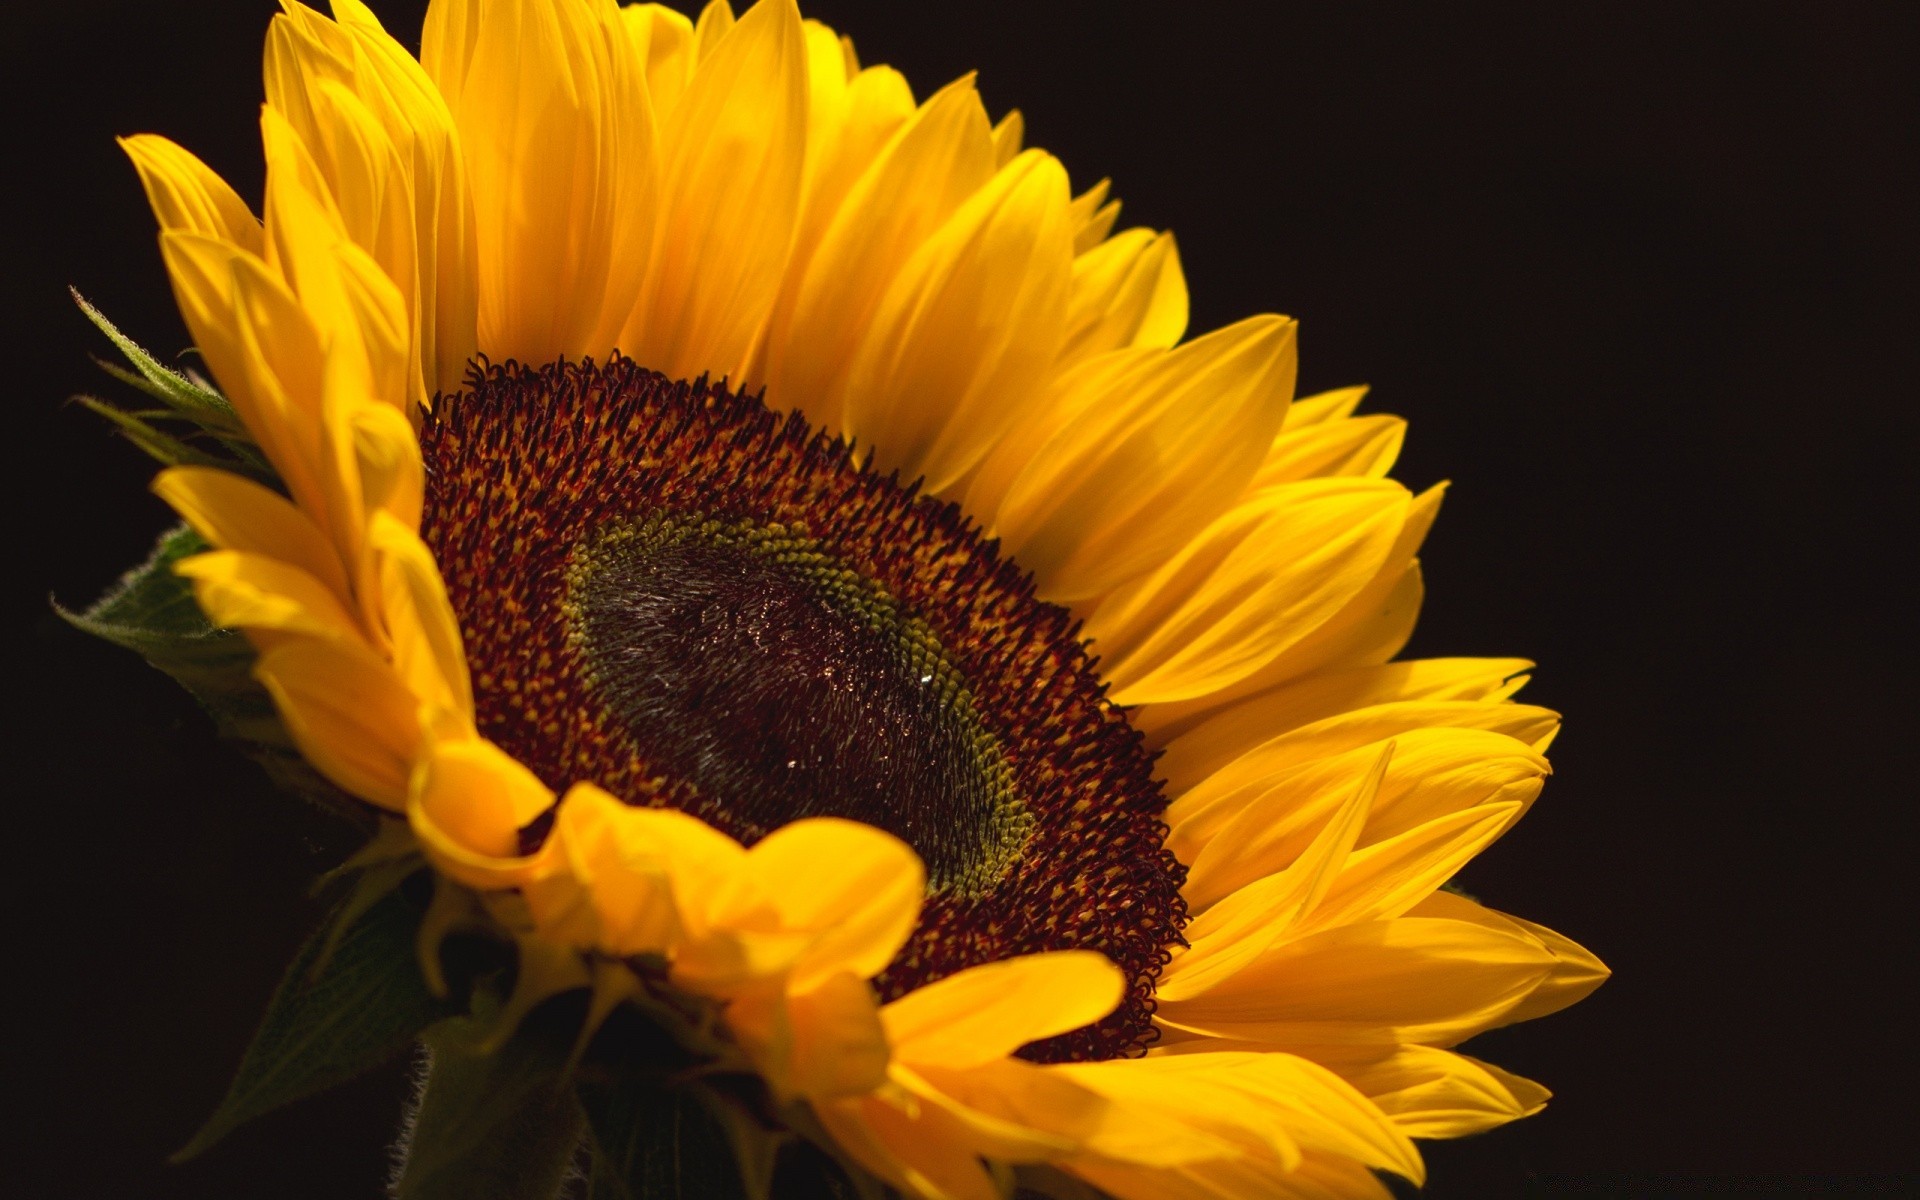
(1640, 275)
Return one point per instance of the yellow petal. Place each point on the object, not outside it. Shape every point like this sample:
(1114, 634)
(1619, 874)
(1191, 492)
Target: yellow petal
(1413, 979)
(1258, 580)
(709, 32)
(1392, 876)
(349, 714)
(858, 888)
(961, 342)
(877, 103)
(386, 457)
(995, 1137)
(1375, 623)
(839, 1045)
(1318, 409)
(989, 1011)
(940, 157)
(1127, 291)
(1225, 937)
(1245, 822)
(1155, 452)
(554, 123)
(1093, 216)
(1213, 745)
(610, 886)
(827, 79)
(1317, 1176)
(1361, 446)
(234, 513)
(384, 139)
(1576, 972)
(919, 1149)
(187, 196)
(1008, 137)
(420, 621)
(468, 802)
(253, 336)
(1035, 1111)
(1433, 1093)
(1288, 706)
(1273, 1106)
(1369, 627)
(254, 592)
(732, 155)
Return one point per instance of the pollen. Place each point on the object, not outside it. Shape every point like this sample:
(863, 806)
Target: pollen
(672, 591)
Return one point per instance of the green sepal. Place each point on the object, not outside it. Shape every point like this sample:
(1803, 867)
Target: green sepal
(152, 612)
(352, 1000)
(187, 399)
(492, 1122)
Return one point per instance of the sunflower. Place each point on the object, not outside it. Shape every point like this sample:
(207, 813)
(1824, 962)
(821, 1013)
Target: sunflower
(768, 543)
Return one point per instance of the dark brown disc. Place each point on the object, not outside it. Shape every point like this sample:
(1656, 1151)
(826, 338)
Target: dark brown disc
(670, 591)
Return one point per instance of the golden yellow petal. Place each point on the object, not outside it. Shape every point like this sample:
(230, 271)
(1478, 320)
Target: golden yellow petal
(938, 158)
(1093, 216)
(383, 139)
(349, 714)
(1220, 741)
(1009, 137)
(989, 1011)
(962, 340)
(1360, 446)
(915, 1147)
(839, 1047)
(1244, 822)
(1576, 972)
(467, 803)
(1127, 291)
(1367, 629)
(1392, 876)
(1412, 979)
(1156, 452)
(1252, 585)
(663, 43)
(259, 594)
(1225, 937)
(234, 513)
(856, 887)
(732, 154)
(607, 889)
(1323, 407)
(552, 110)
(251, 333)
(715, 22)
(1288, 706)
(188, 197)
(1273, 1106)
(420, 622)
(1434, 1093)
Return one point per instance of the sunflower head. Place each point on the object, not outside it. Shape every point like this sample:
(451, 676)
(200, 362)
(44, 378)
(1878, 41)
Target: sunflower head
(767, 558)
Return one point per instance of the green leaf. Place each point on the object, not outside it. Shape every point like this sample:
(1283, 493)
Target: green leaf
(491, 1125)
(152, 612)
(188, 399)
(351, 1001)
(185, 396)
(656, 1142)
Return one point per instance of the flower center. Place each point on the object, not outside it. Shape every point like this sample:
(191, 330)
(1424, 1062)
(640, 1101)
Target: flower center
(673, 592)
(746, 662)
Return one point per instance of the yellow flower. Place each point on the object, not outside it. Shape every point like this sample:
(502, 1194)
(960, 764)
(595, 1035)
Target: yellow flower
(834, 745)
